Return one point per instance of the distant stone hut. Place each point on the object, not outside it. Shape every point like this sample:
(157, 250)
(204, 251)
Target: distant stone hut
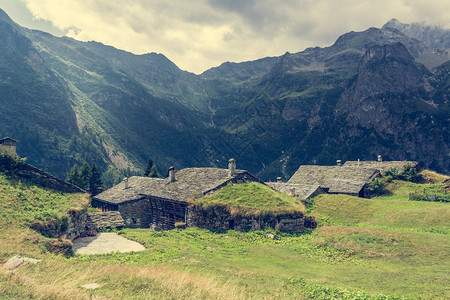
(160, 203)
(9, 145)
(301, 191)
(336, 179)
(382, 166)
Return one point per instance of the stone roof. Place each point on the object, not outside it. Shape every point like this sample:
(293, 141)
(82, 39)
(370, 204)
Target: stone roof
(8, 139)
(343, 186)
(302, 191)
(189, 183)
(382, 166)
(338, 179)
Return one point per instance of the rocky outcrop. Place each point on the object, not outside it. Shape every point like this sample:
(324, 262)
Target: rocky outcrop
(16, 261)
(432, 36)
(392, 100)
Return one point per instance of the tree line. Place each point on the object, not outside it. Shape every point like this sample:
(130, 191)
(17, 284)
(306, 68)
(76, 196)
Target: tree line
(89, 177)
(86, 177)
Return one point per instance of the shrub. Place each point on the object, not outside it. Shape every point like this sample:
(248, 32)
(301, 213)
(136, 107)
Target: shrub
(10, 163)
(408, 174)
(377, 187)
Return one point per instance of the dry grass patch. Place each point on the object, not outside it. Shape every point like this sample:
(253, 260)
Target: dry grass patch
(20, 241)
(433, 177)
(56, 278)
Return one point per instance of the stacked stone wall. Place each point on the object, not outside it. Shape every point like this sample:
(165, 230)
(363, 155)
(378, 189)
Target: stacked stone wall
(47, 180)
(219, 218)
(107, 219)
(79, 225)
(136, 214)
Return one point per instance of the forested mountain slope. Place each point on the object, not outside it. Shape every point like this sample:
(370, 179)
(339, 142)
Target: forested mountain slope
(372, 92)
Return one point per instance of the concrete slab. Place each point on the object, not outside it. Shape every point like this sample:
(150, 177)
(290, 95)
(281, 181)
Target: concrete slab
(105, 242)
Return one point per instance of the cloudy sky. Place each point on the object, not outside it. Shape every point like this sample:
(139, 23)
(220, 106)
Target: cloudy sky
(199, 34)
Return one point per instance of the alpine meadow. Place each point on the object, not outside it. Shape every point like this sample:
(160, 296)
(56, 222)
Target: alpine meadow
(319, 174)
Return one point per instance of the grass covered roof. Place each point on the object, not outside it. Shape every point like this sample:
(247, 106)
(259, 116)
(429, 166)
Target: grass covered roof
(253, 199)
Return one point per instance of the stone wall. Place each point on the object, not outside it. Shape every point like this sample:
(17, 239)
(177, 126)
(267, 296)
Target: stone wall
(137, 213)
(219, 218)
(153, 212)
(79, 225)
(108, 219)
(47, 180)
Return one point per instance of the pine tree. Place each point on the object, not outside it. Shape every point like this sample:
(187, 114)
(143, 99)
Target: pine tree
(79, 176)
(85, 173)
(73, 176)
(95, 182)
(151, 170)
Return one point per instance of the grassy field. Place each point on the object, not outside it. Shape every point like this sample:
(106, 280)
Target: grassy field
(381, 248)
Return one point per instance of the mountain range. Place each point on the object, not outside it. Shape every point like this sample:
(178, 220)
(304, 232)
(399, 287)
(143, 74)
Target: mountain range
(381, 91)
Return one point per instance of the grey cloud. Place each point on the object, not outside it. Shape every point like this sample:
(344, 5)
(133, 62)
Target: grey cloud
(198, 34)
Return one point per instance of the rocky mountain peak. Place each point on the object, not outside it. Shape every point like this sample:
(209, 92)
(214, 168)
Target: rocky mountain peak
(433, 36)
(4, 17)
(392, 52)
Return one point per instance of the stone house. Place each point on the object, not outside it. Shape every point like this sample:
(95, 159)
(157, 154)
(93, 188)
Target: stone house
(382, 166)
(160, 203)
(336, 179)
(9, 145)
(301, 191)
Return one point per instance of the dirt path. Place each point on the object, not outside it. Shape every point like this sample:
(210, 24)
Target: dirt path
(105, 242)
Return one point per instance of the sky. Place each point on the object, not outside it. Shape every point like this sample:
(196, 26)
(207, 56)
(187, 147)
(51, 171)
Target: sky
(199, 34)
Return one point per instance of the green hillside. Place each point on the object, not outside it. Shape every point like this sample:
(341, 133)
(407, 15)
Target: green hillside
(23, 203)
(381, 248)
(70, 102)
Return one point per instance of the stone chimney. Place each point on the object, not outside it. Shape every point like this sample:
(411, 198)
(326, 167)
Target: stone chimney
(292, 192)
(171, 174)
(339, 163)
(380, 159)
(279, 179)
(231, 167)
(125, 182)
(359, 162)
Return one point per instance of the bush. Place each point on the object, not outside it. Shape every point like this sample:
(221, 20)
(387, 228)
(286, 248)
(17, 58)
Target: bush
(377, 187)
(408, 174)
(10, 163)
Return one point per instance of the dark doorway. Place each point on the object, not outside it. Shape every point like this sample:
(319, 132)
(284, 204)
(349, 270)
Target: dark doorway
(361, 193)
(231, 224)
